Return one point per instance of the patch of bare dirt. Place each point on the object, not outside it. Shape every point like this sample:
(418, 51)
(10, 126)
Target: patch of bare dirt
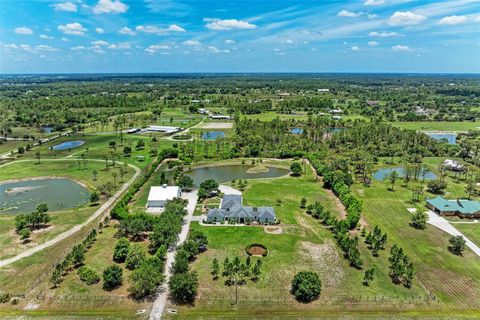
(256, 251)
(338, 204)
(273, 230)
(326, 261)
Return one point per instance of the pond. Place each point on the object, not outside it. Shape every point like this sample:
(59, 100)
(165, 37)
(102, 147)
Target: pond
(58, 194)
(213, 135)
(228, 173)
(451, 138)
(68, 145)
(296, 130)
(382, 174)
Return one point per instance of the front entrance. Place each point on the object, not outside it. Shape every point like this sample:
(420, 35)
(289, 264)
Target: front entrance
(242, 220)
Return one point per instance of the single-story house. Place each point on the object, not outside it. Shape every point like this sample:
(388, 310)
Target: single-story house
(453, 165)
(133, 130)
(460, 207)
(336, 111)
(159, 195)
(232, 210)
(219, 117)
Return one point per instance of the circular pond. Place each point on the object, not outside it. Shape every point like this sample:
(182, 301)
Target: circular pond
(213, 135)
(67, 145)
(257, 250)
(223, 174)
(383, 174)
(58, 193)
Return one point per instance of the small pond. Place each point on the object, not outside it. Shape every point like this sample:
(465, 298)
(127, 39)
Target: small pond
(382, 174)
(68, 145)
(296, 130)
(451, 138)
(213, 135)
(223, 174)
(25, 196)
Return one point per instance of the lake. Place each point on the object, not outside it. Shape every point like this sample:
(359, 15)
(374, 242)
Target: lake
(68, 145)
(228, 173)
(451, 138)
(382, 174)
(58, 194)
(213, 135)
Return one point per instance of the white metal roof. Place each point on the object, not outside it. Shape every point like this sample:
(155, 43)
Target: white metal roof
(163, 193)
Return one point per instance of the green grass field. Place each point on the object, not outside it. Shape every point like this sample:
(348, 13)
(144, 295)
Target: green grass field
(471, 231)
(438, 126)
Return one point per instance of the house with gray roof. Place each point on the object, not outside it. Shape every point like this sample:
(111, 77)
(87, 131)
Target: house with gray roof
(232, 210)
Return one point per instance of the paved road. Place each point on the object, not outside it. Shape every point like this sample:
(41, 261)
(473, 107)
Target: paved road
(161, 300)
(443, 224)
(104, 208)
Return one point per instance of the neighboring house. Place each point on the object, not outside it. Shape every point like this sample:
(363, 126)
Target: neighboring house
(336, 111)
(232, 210)
(460, 207)
(453, 165)
(219, 117)
(158, 196)
(163, 129)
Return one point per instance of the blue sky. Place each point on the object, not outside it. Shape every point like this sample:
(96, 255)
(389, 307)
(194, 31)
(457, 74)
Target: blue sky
(239, 36)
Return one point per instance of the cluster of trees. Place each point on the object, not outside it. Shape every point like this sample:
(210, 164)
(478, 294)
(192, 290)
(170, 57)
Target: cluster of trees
(235, 271)
(376, 240)
(419, 219)
(456, 245)
(24, 223)
(184, 283)
(401, 268)
(73, 259)
(206, 188)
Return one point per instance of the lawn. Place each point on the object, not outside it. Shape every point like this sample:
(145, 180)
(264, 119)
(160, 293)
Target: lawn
(471, 231)
(270, 115)
(438, 126)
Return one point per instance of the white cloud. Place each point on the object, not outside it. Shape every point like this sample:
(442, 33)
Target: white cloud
(228, 24)
(23, 30)
(355, 48)
(384, 34)
(99, 30)
(373, 43)
(288, 41)
(110, 6)
(405, 18)
(175, 28)
(477, 19)
(348, 14)
(77, 48)
(372, 16)
(160, 31)
(44, 36)
(9, 46)
(44, 47)
(25, 47)
(65, 39)
(65, 6)
(452, 20)
(229, 41)
(400, 47)
(192, 43)
(127, 31)
(156, 47)
(73, 28)
(100, 43)
(373, 2)
(120, 46)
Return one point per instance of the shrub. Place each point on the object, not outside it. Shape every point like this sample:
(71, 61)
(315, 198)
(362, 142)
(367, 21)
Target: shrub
(135, 257)
(87, 275)
(183, 287)
(112, 277)
(122, 248)
(306, 286)
(4, 297)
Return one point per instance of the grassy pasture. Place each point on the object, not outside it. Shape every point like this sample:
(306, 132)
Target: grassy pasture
(438, 126)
